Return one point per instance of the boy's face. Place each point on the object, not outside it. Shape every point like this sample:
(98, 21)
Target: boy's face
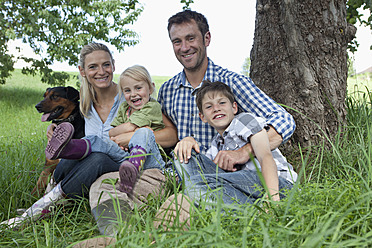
(218, 111)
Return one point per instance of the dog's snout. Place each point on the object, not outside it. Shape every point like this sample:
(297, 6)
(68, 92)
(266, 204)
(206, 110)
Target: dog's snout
(39, 107)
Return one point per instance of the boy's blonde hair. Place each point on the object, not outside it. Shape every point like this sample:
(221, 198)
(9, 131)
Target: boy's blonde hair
(87, 93)
(138, 73)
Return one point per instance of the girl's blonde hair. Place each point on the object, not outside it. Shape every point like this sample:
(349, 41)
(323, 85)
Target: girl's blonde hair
(138, 73)
(87, 93)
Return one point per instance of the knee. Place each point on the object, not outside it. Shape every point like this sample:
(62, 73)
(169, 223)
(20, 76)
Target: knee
(144, 132)
(99, 159)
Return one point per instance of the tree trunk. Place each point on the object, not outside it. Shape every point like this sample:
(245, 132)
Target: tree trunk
(299, 58)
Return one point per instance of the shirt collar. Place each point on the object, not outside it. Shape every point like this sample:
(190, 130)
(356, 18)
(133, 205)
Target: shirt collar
(182, 80)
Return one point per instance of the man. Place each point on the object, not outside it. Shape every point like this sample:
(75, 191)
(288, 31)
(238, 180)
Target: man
(190, 37)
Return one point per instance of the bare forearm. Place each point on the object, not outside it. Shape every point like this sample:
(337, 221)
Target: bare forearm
(121, 129)
(275, 138)
(166, 137)
(269, 173)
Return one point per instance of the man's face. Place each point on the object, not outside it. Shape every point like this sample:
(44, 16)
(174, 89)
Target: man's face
(188, 44)
(218, 111)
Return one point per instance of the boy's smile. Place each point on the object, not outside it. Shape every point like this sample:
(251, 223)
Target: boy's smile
(218, 111)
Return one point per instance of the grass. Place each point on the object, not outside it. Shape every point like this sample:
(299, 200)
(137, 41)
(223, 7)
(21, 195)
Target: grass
(329, 207)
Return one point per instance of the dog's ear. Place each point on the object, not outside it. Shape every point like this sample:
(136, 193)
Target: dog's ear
(72, 94)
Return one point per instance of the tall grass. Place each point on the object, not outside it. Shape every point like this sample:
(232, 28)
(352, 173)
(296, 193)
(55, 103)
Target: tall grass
(329, 207)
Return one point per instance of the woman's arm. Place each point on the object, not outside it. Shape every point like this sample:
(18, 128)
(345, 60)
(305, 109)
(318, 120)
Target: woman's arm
(166, 137)
(122, 129)
(261, 148)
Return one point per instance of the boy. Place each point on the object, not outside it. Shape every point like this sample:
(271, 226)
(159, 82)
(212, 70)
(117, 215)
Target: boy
(218, 108)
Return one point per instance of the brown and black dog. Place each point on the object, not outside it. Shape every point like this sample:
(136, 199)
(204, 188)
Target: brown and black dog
(60, 104)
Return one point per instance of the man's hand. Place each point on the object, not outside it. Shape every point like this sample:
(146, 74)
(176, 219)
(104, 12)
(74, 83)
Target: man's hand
(184, 147)
(226, 160)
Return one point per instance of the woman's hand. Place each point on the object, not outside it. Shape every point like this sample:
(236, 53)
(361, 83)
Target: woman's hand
(122, 140)
(50, 130)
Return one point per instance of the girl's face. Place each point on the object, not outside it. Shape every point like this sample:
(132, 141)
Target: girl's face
(136, 93)
(98, 69)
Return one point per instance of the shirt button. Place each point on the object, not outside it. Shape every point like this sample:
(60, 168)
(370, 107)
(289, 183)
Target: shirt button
(192, 135)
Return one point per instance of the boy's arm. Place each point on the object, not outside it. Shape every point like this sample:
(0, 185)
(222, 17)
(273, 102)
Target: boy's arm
(184, 147)
(261, 148)
(228, 159)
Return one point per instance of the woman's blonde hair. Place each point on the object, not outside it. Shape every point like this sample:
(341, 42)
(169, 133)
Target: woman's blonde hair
(138, 73)
(87, 93)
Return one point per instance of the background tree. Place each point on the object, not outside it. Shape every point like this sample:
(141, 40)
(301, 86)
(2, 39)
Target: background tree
(246, 66)
(57, 30)
(299, 57)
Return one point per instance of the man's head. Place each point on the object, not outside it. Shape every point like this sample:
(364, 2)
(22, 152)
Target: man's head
(188, 16)
(216, 104)
(190, 36)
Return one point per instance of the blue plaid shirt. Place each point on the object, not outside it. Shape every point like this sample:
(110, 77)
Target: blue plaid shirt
(177, 98)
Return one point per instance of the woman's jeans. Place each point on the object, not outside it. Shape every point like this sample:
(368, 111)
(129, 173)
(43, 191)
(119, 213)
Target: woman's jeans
(204, 180)
(76, 176)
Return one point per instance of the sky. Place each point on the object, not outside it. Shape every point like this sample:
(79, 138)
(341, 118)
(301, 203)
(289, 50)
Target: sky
(231, 25)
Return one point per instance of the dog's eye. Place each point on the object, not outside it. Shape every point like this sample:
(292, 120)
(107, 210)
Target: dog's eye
(53, 97)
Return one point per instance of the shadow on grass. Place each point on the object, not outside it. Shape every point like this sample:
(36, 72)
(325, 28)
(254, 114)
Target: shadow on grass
(20, 97)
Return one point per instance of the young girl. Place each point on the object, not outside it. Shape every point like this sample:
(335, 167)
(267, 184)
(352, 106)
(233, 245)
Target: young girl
(139, 113)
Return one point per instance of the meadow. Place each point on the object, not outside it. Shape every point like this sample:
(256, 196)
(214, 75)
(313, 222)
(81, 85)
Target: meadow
(330, 205)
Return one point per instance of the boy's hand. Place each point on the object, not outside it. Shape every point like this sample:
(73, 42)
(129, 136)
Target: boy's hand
(184, 147)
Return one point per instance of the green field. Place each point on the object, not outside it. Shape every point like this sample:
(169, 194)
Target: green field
(330, 206)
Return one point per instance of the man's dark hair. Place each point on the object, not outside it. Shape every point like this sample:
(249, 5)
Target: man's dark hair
(187, 16)
(216, 87)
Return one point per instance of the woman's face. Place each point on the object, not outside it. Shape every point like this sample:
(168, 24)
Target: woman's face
(98, 69)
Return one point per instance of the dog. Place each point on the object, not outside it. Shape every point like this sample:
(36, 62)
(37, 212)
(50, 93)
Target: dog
(60, 104)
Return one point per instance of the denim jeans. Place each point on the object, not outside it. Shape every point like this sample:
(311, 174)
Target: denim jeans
(143, 137)
(204, 180)
(76, 176)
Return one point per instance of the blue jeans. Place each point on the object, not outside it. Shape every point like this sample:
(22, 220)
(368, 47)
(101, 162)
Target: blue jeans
(143, 137)
(76, 176)
(204, 180)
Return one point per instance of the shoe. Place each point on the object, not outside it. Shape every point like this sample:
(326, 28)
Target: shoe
(61, 136)
(128, 174)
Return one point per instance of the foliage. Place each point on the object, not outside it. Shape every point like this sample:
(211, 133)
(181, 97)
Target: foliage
(329, 207)
(57, 30)
(186, 3)
(353, 15)
(246, 66)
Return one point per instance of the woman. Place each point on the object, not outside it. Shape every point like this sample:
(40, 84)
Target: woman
(99, 104)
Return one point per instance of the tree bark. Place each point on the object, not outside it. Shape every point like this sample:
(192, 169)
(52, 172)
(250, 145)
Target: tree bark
(299, 58)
